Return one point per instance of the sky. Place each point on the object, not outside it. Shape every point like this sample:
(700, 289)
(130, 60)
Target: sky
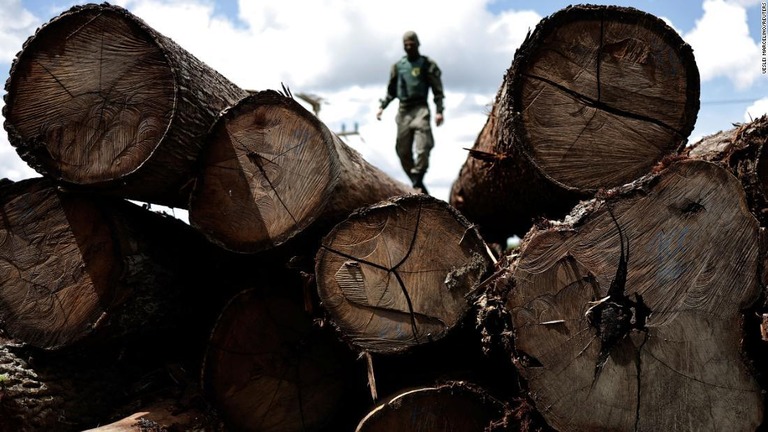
(341, 50)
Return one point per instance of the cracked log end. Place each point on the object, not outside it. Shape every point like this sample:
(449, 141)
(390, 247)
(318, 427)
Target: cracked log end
(90, 97)
(268, 173)
(398, 274)
(455, 406)
(269, 368)
(603, 93)
(666, 354)
(272, 170)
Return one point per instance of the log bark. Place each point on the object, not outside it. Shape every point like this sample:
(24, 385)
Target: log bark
(272, 170)
(454, 406)
(398, 274)
(77, 268)
(655, 344)
(97, 99)
(80, 389)
(268, 367)
(595, 97)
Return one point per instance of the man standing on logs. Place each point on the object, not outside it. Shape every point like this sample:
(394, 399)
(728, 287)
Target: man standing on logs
(409, 81)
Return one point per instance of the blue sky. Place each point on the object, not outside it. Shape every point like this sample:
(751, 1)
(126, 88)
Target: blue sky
(341, 50)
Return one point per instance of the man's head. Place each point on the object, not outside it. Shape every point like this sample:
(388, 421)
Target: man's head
(411, 43)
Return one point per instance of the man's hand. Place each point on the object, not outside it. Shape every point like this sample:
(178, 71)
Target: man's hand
(439, 119)
(378, 114)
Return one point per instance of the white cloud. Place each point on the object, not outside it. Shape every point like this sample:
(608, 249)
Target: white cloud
(722, 44)
(16, 25)
(745, 3)
(757, 109)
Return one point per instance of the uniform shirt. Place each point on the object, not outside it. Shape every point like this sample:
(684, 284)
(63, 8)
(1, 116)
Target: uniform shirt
(410, 81)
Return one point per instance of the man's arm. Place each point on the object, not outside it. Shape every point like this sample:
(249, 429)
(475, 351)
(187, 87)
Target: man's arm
(435, 82)
(391, 92)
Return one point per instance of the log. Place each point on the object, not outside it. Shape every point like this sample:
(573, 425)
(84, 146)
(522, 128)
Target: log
(744, 152)
(272, 170)
(81, 268)
(627, 315)
(97, 99)
(595, 97)
(79, 389)
(398, 274)
(268, 367)
(453, 406)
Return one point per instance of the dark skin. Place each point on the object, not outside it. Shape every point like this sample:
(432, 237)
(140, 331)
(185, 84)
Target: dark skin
(412, 51)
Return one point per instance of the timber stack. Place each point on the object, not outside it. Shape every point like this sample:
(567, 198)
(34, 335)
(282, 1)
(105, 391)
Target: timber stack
(312, 292)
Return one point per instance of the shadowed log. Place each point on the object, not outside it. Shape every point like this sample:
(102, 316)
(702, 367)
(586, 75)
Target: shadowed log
(75, 267)
(399, 273)
(595, 97)
(98, 99)
(73, 390)
(268, 367)
(272, 170)
(627, 315)
(454, 406)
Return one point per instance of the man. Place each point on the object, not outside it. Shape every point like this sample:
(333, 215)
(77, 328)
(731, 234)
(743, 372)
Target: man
(409, 81)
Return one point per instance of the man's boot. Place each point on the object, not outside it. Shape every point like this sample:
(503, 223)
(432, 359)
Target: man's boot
(418, 182)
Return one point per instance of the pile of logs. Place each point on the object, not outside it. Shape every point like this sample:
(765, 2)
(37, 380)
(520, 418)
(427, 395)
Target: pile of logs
(312, 292)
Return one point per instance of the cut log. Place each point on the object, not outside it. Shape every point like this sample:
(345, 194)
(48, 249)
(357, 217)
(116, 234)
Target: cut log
(272, 169)
(627, 316)
(744, 151)
(600, 94)
(595, 97)
(269, 368)
(75, 267)
(98, 99)
(399, 273)
(454, 406)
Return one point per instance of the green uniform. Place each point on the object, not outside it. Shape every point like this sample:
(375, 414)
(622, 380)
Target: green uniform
(410, 82)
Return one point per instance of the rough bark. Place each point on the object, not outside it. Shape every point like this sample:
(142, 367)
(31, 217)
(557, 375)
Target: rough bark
(595, 97)
(398, 274)
(655, 344)
(75, 268)
(454, 406)
(80, 389)
(268, 367)
(273, 169)
(99, 100)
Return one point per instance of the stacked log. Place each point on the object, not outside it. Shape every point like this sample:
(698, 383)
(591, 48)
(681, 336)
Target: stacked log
(272, 170)
(99, 99)
(595, 97)
(635, 303)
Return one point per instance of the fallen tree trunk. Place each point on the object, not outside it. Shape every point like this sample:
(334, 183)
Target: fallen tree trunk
(627, 315)
(268, 367)
(99, 100)
(272, 170)
(595, 97)
(75, 268)
(398, 274)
